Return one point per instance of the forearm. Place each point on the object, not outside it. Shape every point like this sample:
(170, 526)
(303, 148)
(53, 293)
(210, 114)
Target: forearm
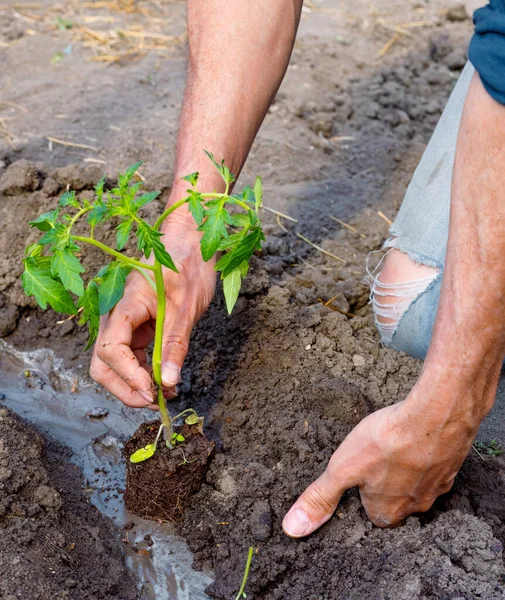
(238, 54)
(468, 344)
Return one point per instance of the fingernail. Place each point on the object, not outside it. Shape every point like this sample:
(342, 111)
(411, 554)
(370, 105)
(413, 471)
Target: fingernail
(296, 523)
(170, 374)
(146, 396)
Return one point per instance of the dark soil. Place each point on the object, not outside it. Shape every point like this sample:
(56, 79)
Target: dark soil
(54, 543)
(284, 379)
(162, 486)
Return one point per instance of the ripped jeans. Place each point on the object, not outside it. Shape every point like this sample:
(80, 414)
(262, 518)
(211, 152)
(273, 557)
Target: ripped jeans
(405, 311)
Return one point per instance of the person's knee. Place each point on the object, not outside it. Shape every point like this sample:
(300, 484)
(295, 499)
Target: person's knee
(399, 283)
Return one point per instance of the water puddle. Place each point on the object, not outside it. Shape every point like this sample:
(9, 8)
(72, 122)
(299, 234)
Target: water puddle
(38, 389)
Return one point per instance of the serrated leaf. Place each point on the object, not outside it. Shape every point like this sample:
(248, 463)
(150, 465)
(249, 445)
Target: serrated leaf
(98, 213)
(258, 192)
(125, 178)
(66, 266)
(111, 288)
(99, 189)
(68, 199)
(149, 241)
(57, 237)
(37, 281)
(192, 178)
(230, 241)
(145, 199)
(222, 168)
(240, 219)
(214, 228)
(143, 453)
(195, 206)
(34, 250)
(243, 251)
(45, 221)
(123, 233)
(231, 288)
(90, 313)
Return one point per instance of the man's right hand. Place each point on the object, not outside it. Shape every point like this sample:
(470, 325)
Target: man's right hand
(119, 361)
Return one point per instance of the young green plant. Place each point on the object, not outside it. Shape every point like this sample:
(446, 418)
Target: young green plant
(53, 270)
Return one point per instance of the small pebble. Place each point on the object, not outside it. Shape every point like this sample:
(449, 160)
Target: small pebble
(97, 413)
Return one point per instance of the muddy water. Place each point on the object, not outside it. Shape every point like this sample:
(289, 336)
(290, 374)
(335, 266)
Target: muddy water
(39, 390)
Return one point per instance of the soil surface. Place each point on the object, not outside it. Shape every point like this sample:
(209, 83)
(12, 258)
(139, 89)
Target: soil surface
(285, 378)
(54, 544)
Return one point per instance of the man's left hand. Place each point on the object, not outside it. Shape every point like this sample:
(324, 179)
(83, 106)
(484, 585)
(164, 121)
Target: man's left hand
(402, 458)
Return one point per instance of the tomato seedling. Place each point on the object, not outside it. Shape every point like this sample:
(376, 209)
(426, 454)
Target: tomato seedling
(53, 270)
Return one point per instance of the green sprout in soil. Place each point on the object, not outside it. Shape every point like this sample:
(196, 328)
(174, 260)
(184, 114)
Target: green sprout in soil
(491, 448)
(53, 270)
(241, 593)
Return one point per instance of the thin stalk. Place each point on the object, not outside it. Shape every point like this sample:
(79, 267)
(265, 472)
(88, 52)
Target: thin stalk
(240, 594)
(158, 347)
(169, 211)
(143, 272)
(131, 261)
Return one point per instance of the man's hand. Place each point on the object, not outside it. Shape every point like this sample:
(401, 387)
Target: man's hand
(119, 360)
(402, 458)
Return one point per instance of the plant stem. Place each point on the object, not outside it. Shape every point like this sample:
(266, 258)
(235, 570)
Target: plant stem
(169, 211)
(143, 272)
(240, 594)
(131, 261)
(158, 347)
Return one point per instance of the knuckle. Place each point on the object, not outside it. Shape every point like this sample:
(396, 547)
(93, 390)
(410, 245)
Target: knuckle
(317, 499)
(177, 340)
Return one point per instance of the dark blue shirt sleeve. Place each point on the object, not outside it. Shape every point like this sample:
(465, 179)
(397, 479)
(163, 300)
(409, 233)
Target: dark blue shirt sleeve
(487, 48)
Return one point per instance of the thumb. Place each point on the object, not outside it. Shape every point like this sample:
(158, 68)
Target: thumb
(176, 334)
(319, 501)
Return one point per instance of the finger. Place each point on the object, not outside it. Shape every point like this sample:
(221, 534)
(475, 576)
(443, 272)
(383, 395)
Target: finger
(176, 334)
(106, 377)
(319, 501)
(114, 345)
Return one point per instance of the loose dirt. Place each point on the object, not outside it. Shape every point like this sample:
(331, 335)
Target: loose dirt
(285, 378)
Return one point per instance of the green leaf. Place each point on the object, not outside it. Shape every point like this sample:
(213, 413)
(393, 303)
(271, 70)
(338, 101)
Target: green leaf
(230, 241)
(214, 228)
(192, 178)
(192, 419)
(123, 233)
(149, 241)
(179, 437)
(68, 199)
(66, 266)
(57, 237)
(99, 189)
(125, 178)
(231, 288)
(46, 221)
(145, 199)
(98, 214)
(90, 313)
(34, 250)
(258, 192)
(240, 219)
(111, 288)
(195, 206)
(37, 281)
(242, 252)
(143, 453)
(222, 168)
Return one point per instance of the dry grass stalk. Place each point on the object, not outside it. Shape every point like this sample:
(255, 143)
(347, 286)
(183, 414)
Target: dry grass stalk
(347, 226)
(383, 216)
(322, 250)
(281, 226)
(280, 214)
(71, 144)
(328, 304)
(388, 45)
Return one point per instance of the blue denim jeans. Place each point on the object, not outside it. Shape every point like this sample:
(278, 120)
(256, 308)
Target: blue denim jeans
(422, 226)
